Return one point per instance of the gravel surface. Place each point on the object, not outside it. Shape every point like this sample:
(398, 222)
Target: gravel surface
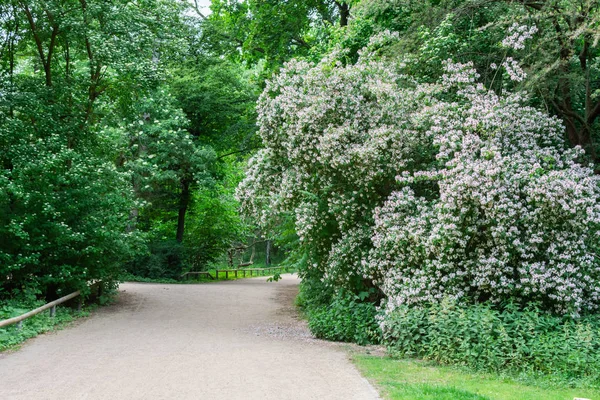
(227, 340)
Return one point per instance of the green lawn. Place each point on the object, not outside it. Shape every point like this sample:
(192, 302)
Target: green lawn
(419, 380)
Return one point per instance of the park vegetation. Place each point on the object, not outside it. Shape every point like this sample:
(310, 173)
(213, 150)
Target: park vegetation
(428, 167)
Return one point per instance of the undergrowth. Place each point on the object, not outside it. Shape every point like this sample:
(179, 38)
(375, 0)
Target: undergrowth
(524, 343)
(12, 335)
(342, 316)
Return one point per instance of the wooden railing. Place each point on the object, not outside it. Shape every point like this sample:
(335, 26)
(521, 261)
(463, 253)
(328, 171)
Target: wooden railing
(52, 306)
(235, 272)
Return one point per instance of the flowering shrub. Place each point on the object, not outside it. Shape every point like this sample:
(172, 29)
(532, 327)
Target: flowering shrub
(334, 138)
(514, 215)
(428, 191)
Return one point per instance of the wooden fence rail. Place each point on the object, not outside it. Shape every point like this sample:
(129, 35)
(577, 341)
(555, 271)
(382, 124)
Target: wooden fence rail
(235, 272)
(52, 306)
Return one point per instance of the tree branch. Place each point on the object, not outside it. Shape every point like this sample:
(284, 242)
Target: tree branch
(569, 113)
(536, 5)
(594, 113)
(197, 9)
(37, 40)
(236, 152)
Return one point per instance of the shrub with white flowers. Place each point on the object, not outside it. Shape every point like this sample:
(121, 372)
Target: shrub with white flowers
(427, 191)
(514, 216)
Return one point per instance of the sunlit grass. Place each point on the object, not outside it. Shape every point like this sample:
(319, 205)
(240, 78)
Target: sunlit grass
(419, 380)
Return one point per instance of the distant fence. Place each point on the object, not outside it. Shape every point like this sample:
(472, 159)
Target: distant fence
(52, 306)
(243, 272)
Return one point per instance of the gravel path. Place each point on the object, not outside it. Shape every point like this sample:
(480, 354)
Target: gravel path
(228, 340)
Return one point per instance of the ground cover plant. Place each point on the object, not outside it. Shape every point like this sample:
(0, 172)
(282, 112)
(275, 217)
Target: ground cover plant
(518, 342)
(12, 335)
(347, 319)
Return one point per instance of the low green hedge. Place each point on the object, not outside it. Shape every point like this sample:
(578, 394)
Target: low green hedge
(487, 339)
(346, 319)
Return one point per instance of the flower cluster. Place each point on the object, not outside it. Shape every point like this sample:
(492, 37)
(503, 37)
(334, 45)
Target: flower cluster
(514, 70)
(517, 35)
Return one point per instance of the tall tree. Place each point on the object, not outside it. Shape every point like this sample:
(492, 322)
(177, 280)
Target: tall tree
(67, 68)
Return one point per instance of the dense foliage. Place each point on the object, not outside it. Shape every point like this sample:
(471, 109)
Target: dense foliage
(116, 130)
(483, 338)
(64, 202)
(347, 318)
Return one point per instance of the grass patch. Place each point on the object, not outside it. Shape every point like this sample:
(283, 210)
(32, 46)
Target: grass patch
(420, 380)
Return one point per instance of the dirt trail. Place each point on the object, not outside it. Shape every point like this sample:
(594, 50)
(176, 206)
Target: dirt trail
(226, 340)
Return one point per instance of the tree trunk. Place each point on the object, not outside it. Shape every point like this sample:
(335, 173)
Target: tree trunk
(184, 201)
(133, 217)
(11, 62)
(268, 253)
(253, 253)
(578, 125)
(344, 9)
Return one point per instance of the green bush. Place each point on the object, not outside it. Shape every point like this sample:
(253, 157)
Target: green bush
(163, 260)
(313, 293)
(509, 340)
(346, 319)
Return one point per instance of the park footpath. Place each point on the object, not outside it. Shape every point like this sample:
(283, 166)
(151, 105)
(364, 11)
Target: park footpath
(239, 339)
